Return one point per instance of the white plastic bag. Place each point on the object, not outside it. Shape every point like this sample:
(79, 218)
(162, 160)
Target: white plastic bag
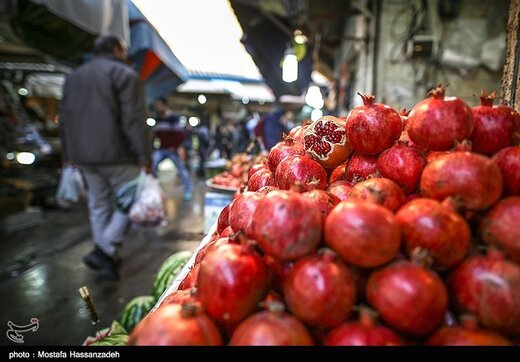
(148, 207)
(71, 188)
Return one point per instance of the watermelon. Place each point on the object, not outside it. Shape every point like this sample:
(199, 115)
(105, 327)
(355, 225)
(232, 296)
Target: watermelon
(136, 310)
(113, 340)
(168, 271)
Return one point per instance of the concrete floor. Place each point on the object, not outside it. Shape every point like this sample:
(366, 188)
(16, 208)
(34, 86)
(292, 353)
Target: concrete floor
(41, 268)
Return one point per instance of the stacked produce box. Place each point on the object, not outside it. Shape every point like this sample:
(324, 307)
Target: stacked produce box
(375, 229)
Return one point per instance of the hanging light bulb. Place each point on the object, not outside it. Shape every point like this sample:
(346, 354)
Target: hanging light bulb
(314, 98)
(289, 66)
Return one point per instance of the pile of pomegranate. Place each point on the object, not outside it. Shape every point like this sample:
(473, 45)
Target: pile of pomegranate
(374, 229)
(238, 170)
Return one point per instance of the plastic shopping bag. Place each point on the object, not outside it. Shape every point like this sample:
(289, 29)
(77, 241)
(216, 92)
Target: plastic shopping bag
(71, 188)
(149, 207)
(126, 194)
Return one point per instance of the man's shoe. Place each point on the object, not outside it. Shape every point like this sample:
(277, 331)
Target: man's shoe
(96, 259)
(108, 272)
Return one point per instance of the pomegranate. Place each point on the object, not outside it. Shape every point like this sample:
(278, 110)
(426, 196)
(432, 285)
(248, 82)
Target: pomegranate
(302, 170)
(409, 297)
(287, 225)
(176, 325)
(272, 327)
(340, 189)
(473, 179)
(223, 219)
(493, 127)
(323, 200)
(320, 290)
(381, 191)
(257, 167)
(298, 132)
(466, 335)
(373, 127)
(442, 232)
(403, 165)
(233, 279)
(241, 211)
(365, 332)
(325, 140)
(508, 160)
(234, 239)
(488, 287)
(438, 122)
(515, 116)
(181, 297)
(363, 234)
(260, 179)
(360, 167)
(499, 227)
(284, 148)
(338, 173)
(279, 269)
(190, 280)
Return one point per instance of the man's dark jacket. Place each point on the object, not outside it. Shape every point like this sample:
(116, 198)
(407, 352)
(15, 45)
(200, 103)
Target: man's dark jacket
(103, 115)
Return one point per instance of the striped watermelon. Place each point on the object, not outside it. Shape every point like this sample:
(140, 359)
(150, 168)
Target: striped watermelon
(136, 310)
(168, 271)
(113, 340)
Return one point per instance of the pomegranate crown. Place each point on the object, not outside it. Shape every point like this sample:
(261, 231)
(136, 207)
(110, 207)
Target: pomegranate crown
(486, 99)
(368, 99)
(438, 92)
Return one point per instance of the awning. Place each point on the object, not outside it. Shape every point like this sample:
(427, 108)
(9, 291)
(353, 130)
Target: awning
(152, 57)
(256, 92)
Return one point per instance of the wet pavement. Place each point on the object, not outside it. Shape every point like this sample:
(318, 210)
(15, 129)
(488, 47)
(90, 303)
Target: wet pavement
(41, 268)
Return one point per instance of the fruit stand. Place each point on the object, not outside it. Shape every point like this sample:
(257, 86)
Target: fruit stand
(365, 230)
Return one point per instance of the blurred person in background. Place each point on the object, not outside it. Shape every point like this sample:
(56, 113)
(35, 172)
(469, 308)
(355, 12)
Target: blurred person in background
(274, 126)
(171, 136)
(203, 135)
(103, 131)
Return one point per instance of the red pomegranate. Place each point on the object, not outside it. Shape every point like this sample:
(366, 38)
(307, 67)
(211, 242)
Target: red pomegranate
(233, 239)
(468, 334)
(365, 332)
(403, 165)
(257, 167)
(300, 170)
(181, 297)
(409, 297)
(223, 219)
(443, 233)
(508, 160)
(499, 227)
(338, 173)
(360, 167)
(379, 190)
(241, 211)
(340, 189)
(515, 116)
(325, 140)
(233, 279)
(373, 127)
(438, 122)
(320, 290)
(323, 200)
(493, 128)
(488, 287)
(279, 269)
(260, 179)
(284, 148)
(297, 133)
(272, 327)
(190, 280)
(363, 234)
(475, 180)
(176, 325)
(287, 225)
